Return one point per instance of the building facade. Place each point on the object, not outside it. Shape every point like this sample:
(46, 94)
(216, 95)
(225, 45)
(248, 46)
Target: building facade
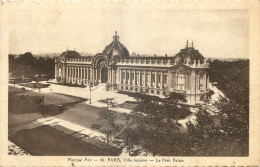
(185, 73)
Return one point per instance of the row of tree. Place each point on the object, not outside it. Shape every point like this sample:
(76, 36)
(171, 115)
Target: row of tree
(28, 66)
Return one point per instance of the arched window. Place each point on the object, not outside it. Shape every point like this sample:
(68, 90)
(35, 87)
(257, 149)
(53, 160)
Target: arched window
(181, 82)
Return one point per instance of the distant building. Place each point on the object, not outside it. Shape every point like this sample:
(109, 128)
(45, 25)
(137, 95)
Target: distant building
(184, 73)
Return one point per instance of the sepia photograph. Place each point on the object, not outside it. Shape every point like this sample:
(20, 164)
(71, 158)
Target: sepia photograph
(123, 81)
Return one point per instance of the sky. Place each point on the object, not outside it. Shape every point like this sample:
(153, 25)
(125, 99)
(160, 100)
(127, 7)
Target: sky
(215, 33)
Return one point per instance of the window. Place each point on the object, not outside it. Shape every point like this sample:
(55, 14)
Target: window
(181, 82)
(159, 80)
(122, 77)
(127, 77)
(202, 82)
(89, 72)
(165, 81)
(153, 80)
(132, 78)
(137, 79)
(148, 80)
(142, 79)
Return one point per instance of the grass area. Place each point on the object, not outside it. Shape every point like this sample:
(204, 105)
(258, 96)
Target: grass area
(45, 140)
(35, 85)
(128, 105)
(23, 101)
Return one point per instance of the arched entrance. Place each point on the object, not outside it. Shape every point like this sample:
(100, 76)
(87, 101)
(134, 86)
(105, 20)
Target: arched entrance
(104, 74)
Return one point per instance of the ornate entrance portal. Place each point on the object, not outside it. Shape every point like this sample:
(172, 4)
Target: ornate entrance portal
(104, 74)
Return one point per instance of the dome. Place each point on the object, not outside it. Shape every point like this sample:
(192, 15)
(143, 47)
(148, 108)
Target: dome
(189, 55)
(70, 54)
(116, 49)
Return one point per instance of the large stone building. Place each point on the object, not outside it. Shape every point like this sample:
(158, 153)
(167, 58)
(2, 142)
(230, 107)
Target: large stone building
(184, 73)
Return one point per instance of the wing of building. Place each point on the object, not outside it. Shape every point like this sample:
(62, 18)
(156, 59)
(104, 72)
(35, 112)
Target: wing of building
(184, 73)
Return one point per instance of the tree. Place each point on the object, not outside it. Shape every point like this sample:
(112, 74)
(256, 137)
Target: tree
(221, 130)
(153, 124)
(112, 127)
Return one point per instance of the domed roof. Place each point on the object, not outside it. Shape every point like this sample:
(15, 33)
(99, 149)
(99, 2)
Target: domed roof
(70, 54)
(189, 55)
(116, 49)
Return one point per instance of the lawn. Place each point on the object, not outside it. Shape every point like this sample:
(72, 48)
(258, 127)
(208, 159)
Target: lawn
(128, 105)
(45, 140)
(23, 101)
(34, 85)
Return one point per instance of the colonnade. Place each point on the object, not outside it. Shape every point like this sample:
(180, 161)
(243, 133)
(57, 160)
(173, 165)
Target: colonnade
(144, 78)
(78, 72)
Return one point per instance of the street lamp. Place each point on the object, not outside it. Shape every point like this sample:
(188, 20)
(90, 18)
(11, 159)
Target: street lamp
(90, 86)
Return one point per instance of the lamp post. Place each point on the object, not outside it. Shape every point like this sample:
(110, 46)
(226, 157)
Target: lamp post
(90, 86)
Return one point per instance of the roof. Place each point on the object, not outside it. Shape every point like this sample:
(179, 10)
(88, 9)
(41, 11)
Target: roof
(116, 48)
(70, 54)
(189, 55)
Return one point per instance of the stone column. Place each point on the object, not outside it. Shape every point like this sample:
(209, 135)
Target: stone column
(108, 75)
(130, 78)
(75, 72)
(87, 73)
(90, 74)
(134, 78)
(145, 78)
(161, 86)
(112, 75)
(140, 76)
(99, 75)
(120, 75)
(151, 83)
(155, 78)
(125, 76)
(81, 72)
(96, 75)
